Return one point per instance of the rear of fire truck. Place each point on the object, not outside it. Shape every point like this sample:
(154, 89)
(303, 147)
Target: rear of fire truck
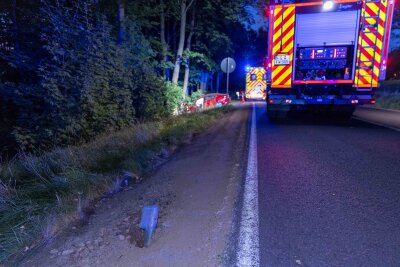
(256, 83)
(326, 55)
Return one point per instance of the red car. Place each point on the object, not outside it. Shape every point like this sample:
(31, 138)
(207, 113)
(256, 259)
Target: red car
(212, 100)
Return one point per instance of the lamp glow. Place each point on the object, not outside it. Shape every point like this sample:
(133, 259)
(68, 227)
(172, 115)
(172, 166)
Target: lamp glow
(328, 5)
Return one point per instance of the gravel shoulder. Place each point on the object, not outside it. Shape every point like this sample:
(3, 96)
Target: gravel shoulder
(196, 191)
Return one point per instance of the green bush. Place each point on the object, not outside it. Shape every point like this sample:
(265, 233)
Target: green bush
(195, 95)
(173, 96)
(388, 95)
(84, 84)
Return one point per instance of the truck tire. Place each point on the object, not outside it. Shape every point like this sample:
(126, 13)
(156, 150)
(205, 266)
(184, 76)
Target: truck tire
(275, 115)
(344, 116)
(271, 114)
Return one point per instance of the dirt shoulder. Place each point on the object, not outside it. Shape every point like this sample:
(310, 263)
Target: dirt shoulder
(196, 191)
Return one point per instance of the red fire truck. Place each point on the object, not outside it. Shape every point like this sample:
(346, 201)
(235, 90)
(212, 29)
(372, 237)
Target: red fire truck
(326, 55)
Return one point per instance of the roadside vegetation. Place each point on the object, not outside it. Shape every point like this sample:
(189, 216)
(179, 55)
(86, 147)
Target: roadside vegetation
(41, 195)
(71, 70)
(388, 95)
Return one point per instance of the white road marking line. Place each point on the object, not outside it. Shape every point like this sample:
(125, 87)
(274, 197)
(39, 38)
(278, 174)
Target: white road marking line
(376, 123)
(248, 247)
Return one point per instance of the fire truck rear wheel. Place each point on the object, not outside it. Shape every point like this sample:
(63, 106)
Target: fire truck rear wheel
(345, 116)
(274, 114)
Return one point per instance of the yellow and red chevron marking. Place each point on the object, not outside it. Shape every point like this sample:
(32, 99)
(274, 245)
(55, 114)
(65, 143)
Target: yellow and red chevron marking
(283, 42)
(251, 86)
(368, 74)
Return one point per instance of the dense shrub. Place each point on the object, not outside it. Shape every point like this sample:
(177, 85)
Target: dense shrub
(79, 82)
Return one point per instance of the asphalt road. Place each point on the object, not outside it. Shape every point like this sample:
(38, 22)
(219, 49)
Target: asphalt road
(328, 192)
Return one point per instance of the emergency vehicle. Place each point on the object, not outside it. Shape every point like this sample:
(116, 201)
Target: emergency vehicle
(256, 83)
(326, 55)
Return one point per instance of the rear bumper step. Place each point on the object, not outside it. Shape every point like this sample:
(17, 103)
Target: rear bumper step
(319, 101)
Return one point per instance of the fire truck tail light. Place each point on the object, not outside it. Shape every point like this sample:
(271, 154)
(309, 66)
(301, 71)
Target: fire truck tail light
(373, 101)
(354, 101)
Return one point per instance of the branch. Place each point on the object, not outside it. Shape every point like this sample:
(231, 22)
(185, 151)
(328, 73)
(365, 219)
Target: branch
(188, 6)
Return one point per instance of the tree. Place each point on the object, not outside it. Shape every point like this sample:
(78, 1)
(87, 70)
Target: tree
(182, 35)
(121, 22)
(188, 47)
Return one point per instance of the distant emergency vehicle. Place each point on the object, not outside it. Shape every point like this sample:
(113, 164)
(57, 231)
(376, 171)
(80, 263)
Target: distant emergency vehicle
(326, 55)
(256, 83)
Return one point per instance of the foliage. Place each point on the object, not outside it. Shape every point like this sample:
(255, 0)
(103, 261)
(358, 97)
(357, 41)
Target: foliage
(200, 59)
(173, 96)
(148, 97)
(70, 81)
(86, 80)
(388, 95)
(393, 68)
(195, 95)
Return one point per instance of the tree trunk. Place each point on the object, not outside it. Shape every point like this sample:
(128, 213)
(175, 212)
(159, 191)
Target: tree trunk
(186, 79)
(201, 80)
(212, 82)
(218, 80)
(168, 70)
(174, 26)
(182, 36)
(164, 45)
(206, 81)
(15, 34)
(188, 47)
(121, 24)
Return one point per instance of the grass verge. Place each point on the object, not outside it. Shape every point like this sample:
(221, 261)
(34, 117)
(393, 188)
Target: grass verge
(388, 95)
(42, 195)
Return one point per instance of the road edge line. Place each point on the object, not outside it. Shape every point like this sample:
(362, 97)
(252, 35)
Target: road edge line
(248, 246)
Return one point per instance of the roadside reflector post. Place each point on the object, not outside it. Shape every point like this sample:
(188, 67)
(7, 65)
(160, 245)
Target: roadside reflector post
(149, 222)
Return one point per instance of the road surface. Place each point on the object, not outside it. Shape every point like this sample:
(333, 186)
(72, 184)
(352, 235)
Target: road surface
(328, 192)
